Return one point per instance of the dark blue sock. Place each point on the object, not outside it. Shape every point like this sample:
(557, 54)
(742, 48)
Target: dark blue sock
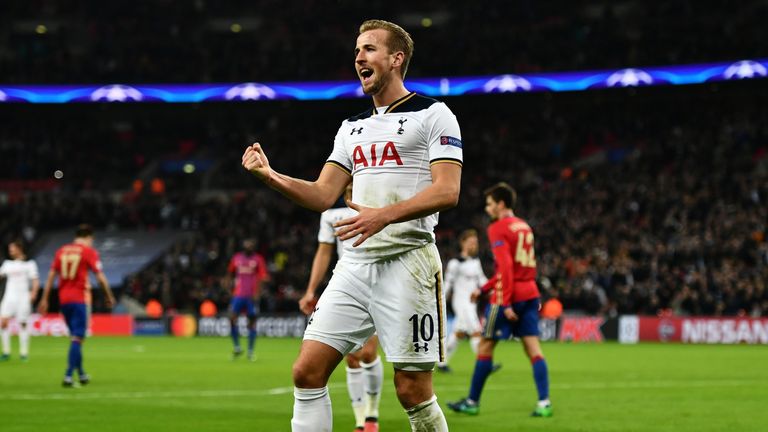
(75, 357)
(235, 335)
(483, 367)
(251, 339)
(541, 376)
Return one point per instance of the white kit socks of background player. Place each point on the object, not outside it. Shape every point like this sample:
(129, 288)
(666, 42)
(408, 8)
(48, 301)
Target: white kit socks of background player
(23, 340)
(356, 392)
(364, 386)
(373, 376)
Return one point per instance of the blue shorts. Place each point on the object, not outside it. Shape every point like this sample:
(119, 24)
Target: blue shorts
(76, 317)
(497, 326)
(243, 305)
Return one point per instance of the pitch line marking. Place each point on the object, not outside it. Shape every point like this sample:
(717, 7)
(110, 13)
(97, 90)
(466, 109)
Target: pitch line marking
(83, 394)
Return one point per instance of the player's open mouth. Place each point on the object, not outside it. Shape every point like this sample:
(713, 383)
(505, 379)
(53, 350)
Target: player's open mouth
(366, 75)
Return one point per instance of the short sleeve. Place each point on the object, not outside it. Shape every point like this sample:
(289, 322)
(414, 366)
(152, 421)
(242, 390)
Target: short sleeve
(94, 261)
(3, 268)
(443, 136)
(326, 233)
(339, 156)
(32, 269)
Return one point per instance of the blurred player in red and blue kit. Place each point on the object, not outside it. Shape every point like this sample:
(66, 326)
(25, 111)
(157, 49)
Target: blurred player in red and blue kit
(72, 263)
(250, 270)
(513, 309)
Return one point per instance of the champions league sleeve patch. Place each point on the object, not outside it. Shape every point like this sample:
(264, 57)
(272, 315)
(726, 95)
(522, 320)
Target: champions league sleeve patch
(451, 141)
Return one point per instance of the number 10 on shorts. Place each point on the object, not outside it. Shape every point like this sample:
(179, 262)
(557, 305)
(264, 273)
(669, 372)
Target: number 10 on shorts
(424, 327)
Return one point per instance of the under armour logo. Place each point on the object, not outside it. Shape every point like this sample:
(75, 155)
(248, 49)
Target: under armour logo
(312, 317)
(401, 130)
(359, 131)
(417, 347)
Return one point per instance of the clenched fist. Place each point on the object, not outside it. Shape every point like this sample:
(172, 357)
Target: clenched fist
(255, 161)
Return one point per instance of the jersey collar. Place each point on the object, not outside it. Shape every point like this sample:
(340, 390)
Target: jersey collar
(393, 106)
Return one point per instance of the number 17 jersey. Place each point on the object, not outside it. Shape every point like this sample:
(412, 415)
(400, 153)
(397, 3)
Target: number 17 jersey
(71, 263)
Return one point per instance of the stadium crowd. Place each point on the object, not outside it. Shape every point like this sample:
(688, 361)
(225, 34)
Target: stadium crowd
(88, 41)
(638, 206)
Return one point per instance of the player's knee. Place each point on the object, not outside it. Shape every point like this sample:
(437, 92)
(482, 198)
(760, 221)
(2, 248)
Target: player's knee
(368, 354)
(352, 362)
(413, 387)
(307, 376)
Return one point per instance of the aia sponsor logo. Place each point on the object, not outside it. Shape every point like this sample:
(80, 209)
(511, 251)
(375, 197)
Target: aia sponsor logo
(377, 155)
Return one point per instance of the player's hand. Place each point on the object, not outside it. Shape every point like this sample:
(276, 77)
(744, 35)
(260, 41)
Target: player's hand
(510, 314)
(110, 301)
(42, 307)
(366, 223)
(307, 303)
(256, 162)
(475, 295)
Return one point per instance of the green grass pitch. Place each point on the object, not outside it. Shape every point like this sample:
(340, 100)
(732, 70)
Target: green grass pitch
(168, 384)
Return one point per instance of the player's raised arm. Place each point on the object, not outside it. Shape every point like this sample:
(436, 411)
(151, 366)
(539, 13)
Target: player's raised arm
(316, 195)
(442, 194)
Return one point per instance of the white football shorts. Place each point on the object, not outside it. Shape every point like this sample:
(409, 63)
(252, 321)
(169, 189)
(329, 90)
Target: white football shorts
(401, 299)
(465, 315)
(16, 307)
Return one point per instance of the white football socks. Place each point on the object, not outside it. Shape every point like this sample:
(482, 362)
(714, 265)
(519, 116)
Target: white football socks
(5, 334)
(312, 410)
(427, 417)
(356, 388)
(24, 340)
(374, 376)
(474, 342)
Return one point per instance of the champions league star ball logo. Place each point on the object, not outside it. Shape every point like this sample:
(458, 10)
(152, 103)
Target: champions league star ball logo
(250, 91)
(117, 93)
(745, 69)
(507, 83)
(629, 78)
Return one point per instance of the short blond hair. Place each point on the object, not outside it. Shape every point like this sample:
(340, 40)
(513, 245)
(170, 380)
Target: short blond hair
(467, 234)
(399, 40)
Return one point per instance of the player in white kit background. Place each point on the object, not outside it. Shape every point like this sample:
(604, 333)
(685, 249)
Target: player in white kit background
(405, 155)
(21, 287)
(464, 275)
(364, 370)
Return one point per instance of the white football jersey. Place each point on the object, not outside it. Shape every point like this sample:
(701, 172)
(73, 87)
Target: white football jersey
(389, 156)
(462, 276)
(19, 276)
(326, 233)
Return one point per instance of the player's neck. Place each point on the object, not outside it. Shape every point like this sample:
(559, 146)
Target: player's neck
(505, 214)
(391, 92)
